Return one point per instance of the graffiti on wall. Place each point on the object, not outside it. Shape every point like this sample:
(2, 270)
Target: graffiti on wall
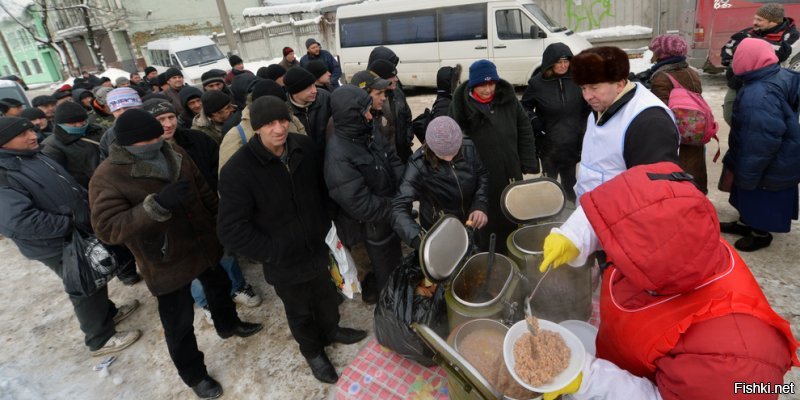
(585, 15)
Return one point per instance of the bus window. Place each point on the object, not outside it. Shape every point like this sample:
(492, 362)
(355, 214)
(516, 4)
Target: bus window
(462, 23)
(200, 55)
(513, 24)
(362, 32)
(411, 28)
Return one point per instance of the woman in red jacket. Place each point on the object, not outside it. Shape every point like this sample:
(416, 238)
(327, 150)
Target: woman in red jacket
(681, 315)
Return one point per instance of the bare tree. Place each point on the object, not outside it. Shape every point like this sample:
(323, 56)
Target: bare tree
(47, 39)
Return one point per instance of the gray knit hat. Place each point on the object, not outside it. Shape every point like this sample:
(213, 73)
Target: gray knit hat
(772, 12)
(443, 136)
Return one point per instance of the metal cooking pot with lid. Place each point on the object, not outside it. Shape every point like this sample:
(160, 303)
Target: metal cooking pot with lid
(566, 293)
(468, 295)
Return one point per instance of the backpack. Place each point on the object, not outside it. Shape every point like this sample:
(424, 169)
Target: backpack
(693, 116)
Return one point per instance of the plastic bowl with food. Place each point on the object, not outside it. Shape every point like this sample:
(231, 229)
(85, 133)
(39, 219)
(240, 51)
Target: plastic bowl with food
(573, 368)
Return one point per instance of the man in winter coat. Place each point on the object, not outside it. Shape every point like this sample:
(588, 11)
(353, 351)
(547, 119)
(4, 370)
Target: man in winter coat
(682, 315)
(311, 106)
(101, 114)
(322, 74)
(447, 80)
(42, 204)
(446, 176)
(39, 120)
(558, 114)
(217, 108)
(237, 68)
(763, 147)
(314, 52)
(240, 134)
(769, 24)
(669, 53)
(383, 62)
(191, 98)
(74, 144)
(289, 59)
(489, 113)
(48, 105)
(173, 78)
(273, 209)
(151, 197)
(362, 173)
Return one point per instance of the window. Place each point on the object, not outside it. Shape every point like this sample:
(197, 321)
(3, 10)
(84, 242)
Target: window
(362, 31)
(198, 56)
(540, 15)
(411, 28)
(462, 23)
(513, 24)
(36, 66)
(26, 68)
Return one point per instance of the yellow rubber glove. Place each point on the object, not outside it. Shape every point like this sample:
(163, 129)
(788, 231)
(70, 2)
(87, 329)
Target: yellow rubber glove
(557, 251)
(571, 388)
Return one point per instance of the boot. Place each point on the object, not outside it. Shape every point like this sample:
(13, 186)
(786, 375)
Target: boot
(322, 368)
(754, 241)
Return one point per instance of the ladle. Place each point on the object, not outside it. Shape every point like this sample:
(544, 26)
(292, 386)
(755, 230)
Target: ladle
(489, 263)
(528, 313)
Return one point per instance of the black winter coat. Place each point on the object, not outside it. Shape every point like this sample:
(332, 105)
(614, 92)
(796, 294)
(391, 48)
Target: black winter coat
(401, 113)
(276, 213)
(39, 201)
(503, 136)
(446, 82)
(362, 171)
(203, 150)
(79, 157)
(315, 118)
(558, 104)
(458, 188)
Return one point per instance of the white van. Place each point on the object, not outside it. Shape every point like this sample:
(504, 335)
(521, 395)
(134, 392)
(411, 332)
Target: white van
(193, 55)
(429, 34)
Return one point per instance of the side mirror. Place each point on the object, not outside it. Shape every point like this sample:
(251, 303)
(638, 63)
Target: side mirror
(537, 33)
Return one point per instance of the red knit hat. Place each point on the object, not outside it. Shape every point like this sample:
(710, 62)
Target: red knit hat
(287, 50)
(665, 46)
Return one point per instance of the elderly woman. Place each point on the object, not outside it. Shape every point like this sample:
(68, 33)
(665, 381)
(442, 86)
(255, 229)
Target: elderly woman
(556, 102)
(489, 113)
(669, 55)
(763, 146)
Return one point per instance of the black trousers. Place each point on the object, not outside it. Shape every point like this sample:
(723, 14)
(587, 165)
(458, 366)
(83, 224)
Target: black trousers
(176, 310)
(95, 313)
(312, 311)
(552, 169)
(384, 250)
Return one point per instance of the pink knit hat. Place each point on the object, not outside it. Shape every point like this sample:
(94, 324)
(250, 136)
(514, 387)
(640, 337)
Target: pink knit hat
(665, 46)
(443, 136)
(753, 54)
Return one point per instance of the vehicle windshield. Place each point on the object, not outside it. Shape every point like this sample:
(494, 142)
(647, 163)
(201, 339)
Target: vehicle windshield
(201, 55)
(542, 17)
(13, 93)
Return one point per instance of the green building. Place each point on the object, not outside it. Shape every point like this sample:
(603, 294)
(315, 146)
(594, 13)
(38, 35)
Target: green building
(32, 61)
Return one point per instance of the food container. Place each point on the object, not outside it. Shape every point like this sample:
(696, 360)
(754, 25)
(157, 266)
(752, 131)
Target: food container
(464, 379)
(566, 293)
(468, 295)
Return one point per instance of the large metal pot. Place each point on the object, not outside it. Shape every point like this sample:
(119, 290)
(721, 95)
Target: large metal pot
(566, 292)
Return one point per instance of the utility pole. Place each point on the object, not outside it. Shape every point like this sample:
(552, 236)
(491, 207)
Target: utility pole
(226, 25)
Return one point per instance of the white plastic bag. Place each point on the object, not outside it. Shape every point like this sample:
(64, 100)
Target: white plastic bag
(343, 268)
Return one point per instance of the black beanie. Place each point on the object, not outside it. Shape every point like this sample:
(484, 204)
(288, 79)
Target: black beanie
(267, 109)
(213, 101)
(32, 113)
(160, 79)
(298, 79)
(70, 112)
(150, 69)
(384, 68)
(317, 68)
(212, 75)
(172, 72)
(136, 125)
(268, 87)
(11, 127)
(157, 107)
(235, 60)
(43, 100)
(274, 71)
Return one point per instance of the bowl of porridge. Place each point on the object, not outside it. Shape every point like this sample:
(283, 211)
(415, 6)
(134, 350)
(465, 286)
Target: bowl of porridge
(546, 362)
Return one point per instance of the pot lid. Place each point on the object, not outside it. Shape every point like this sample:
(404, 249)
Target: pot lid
(443, 248)
(524, 202)
(458, 369)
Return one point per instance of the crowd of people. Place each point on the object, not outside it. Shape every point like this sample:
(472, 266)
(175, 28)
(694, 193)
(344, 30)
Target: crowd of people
(182, 181)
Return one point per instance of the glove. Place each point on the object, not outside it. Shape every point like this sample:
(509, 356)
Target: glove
(173, 194)
(557, 251)
(571, 388)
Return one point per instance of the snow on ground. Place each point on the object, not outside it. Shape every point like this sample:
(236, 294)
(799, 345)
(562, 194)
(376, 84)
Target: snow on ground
(616, 31)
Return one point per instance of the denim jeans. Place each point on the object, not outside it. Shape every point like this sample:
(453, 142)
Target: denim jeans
(231, 266)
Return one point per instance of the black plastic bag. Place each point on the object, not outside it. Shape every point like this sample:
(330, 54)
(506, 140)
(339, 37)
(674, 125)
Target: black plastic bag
(88, 264)
(398, 306)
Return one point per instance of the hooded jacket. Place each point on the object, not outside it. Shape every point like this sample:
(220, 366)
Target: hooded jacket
(557, 103)
(40, 201)
(401, 115)
(185, 118)
(75, 153)
(458, 188)
(172, 247)
(446, 82)
(362, 171)
(276, 213)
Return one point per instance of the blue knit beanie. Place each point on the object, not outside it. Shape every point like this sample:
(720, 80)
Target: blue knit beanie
(482, 71)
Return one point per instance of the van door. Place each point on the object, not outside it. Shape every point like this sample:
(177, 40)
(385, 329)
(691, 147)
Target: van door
(462, 36)
(513, 49)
